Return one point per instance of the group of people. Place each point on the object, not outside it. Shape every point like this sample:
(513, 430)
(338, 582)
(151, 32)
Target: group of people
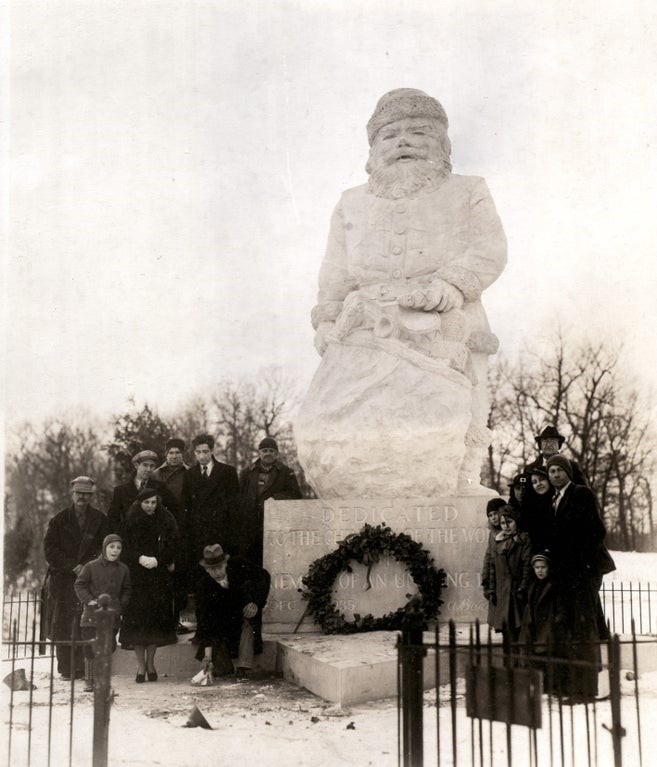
(543, 569)
(171, 531)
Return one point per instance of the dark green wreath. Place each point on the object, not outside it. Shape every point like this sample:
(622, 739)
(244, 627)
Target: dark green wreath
(367, 547)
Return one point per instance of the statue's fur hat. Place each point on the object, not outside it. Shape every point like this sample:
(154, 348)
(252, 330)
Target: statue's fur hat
(400, 103)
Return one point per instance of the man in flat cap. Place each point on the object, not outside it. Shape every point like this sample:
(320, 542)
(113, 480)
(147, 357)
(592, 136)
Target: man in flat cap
(549, 443)
(126, 493)
(172, 474)
(73, 538)
(267, 477)
(399, 319)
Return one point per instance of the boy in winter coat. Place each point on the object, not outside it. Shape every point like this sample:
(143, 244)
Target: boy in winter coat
(542, 623)
(103, 575)
(509, 574)
(487, 579)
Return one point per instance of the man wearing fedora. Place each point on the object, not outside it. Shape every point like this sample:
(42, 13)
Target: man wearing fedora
(267, 477)
(73, 538)
(230, 597)
(125, 494)
(549, 443)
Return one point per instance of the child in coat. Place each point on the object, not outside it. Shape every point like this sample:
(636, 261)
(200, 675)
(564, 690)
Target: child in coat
(487, 580)
(542, 623)
(103, 575)
(509, 574)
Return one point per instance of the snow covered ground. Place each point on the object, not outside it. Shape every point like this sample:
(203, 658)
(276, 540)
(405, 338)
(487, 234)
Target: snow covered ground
(268, 722)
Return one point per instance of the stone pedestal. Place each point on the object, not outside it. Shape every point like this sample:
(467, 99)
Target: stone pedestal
(452, 528)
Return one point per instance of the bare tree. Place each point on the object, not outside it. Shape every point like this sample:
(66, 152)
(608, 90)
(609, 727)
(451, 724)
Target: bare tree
(39, 470)
(581, 390)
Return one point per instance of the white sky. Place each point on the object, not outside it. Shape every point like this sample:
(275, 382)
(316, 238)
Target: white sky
(174, 166)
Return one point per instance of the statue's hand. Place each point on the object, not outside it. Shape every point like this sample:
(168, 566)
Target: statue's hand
(320, 336)
(440, 296)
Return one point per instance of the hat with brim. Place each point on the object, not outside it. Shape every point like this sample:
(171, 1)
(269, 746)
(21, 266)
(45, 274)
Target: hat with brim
(550, 432)
(213, 556)
(538, 471)
(519, 480)
(144, 455)
(542, 556)
(83, 485)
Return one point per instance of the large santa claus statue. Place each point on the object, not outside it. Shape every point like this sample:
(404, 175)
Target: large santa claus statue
(398, 405)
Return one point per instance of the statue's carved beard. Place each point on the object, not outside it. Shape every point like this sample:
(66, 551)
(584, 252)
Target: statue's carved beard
(406, 179)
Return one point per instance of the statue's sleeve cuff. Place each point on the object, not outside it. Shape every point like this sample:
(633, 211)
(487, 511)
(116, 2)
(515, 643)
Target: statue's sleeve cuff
(327, 311)
(463, 279)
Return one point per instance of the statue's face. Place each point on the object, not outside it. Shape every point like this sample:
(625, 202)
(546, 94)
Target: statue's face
(407, 156)
(407, 140)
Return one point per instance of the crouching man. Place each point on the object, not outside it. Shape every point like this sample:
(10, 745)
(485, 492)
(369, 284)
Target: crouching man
(229, 600)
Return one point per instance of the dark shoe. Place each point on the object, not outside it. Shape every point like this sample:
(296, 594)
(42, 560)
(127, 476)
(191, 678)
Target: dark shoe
(65, 677)
(140, 678)
(152, 676)
(241, 673)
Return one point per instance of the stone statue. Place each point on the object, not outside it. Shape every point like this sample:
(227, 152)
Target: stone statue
(398, 406)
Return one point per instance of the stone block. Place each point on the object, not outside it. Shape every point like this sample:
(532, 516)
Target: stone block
(453, 529)
(346, 669)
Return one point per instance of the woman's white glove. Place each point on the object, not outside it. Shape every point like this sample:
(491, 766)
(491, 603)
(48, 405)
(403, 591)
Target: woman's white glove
(148, 562)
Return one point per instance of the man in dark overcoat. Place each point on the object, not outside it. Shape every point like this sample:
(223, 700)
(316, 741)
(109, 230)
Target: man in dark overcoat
(210, 496)
(267, 477)
(549, 443)
(73, 538)
(230, 597)
(575, 543)
(172, 474)
(125, 494)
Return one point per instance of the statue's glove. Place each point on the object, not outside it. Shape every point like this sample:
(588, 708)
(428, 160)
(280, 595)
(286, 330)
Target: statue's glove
(320, 336)
(439, 296)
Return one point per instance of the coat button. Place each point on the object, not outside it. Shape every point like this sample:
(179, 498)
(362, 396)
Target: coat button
(400, 229)
(396, 273)
(397, 250)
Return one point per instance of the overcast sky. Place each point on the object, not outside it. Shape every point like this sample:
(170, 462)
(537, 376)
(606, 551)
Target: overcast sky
(174, 166)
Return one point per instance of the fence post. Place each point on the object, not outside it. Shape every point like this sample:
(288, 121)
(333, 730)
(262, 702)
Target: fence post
(617, 730)
(104, 617)
(412, 652)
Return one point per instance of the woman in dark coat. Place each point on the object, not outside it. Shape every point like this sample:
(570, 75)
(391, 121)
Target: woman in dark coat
(536, 510)
(151, 540)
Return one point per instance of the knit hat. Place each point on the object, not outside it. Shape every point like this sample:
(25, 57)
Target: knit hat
(562, 461)
(400, 103)
(147, 492)
(144, 455)
(495, 504)
(268, 442)
(542, 556)
(550, 432)
(510, 511)
(111, 538)
(174, 442)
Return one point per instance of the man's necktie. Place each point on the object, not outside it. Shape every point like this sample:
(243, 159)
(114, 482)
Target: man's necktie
(204, 472)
